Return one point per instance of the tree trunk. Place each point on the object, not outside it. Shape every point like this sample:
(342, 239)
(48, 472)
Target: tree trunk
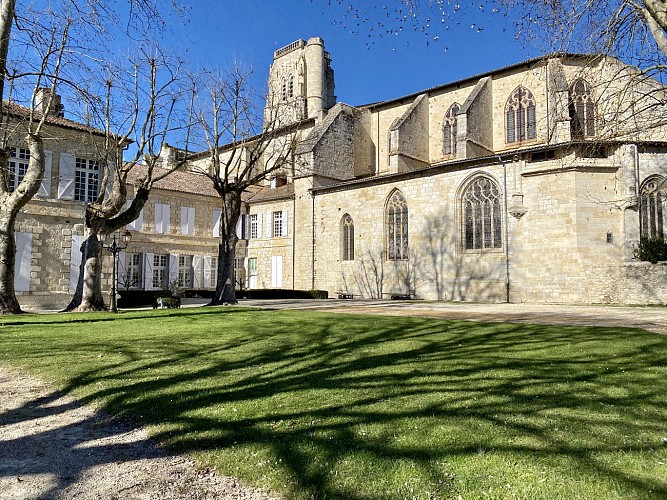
(8, 302)
(224, 288)
(88, 295)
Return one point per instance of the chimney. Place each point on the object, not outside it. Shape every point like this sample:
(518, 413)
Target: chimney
(42, 101)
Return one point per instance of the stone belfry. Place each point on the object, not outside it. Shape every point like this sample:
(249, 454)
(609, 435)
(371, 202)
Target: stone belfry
(301, 83)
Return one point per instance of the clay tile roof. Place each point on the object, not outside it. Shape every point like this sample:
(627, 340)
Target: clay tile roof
(285, 192)
(18, 111)
(186, 182)
(177, 181)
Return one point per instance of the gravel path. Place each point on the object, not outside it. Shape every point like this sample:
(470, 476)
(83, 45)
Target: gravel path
(53, 448)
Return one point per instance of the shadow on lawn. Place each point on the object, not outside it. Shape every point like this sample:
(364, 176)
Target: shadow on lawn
(427, 394)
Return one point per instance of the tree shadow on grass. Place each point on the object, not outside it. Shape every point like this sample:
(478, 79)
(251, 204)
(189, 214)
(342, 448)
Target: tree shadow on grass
(338, 406)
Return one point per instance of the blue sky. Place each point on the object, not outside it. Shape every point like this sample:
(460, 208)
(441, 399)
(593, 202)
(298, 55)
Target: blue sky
(367, 67)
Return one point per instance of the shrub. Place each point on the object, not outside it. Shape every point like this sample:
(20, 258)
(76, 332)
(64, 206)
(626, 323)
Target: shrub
(652, 249)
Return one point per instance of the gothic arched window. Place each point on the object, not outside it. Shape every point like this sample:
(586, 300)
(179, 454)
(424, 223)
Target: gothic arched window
(449, 146)
(283, 88)
(520, 122)
(396, 224)
(290, 86)
(651, 199)
(347, 227)
(482, 215)
(582, 110)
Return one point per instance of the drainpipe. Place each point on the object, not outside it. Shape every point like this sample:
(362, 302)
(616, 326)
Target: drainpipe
(637, 186)
(293, 239)
(312, 263)
(507, 240)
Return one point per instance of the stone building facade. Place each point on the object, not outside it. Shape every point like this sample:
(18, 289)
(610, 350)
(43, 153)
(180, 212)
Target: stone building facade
(531, 183)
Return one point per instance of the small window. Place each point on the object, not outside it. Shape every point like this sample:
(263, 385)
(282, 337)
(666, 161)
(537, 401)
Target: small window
(133, 271)
(185, 271)
(482, 216)
(160, 271)
(348, 238)
(520, 121)
(277, 224)
(239, 273)
(19, 160)
(396, 226)
(450, 130)
(290, 86)
(254, 227)
(543, 156)
(86, 180)
(252, 265)
(651, 199)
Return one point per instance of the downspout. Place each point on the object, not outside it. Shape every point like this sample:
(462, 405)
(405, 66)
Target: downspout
(312, 262)
(637, 191)
(293, 240)
(507, 240)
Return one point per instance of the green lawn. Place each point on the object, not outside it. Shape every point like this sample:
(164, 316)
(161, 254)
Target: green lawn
(334, 406)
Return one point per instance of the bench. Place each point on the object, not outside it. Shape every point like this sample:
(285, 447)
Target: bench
(345, 295)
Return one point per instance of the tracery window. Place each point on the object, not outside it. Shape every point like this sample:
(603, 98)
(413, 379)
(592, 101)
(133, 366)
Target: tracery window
(348, 237)
(651, 199)
(396, 223)
(520, 122)
(582, 110)
(482, 215)
(449, 146)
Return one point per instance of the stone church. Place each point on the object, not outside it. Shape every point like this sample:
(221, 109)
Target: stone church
(529, 183)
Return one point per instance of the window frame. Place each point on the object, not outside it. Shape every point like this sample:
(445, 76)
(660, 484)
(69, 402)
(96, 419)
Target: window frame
(134, 271)
(185, 271)
(347, 238)
(652, 196)
(86, 179)
(19, 161)
(581, 107)
(482, 221)
(396, 216)
(520, 117)
(450, 131)
(160, 272)
(277, 224)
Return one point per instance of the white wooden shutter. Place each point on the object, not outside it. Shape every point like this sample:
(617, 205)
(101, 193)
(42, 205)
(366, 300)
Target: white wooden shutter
(173, 268)
(247, 273)
(22, 262)
(187, 221)
(112, 176)
(217, 214)
(122, 282)
(207, 271)
(239, 226)
(75, 261)
(158, 218)
(166, 218)
(269, 224)
(284, 228)
(277, 271)
(66, 175)
(260, 226)
(45, 186)
(148, 271)
(138, 223)
(196, 271)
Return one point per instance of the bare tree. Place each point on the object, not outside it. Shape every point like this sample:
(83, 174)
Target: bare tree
(238, 156)
(156, 97)
(52, 46)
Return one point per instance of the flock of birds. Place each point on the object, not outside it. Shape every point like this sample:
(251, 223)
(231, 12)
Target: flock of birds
(382, 21)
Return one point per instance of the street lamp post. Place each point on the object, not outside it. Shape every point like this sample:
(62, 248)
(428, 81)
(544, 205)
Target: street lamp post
(118, 243)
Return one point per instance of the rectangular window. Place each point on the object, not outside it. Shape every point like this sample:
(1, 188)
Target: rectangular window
(188, 221)
(162, 218)
(160, 271)
(214, 271)
(277, 224)
(19, 159)
(185, 271)
(254, 227)
(252, 265)
(133, 271)
(86, 180)
(239, 273)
